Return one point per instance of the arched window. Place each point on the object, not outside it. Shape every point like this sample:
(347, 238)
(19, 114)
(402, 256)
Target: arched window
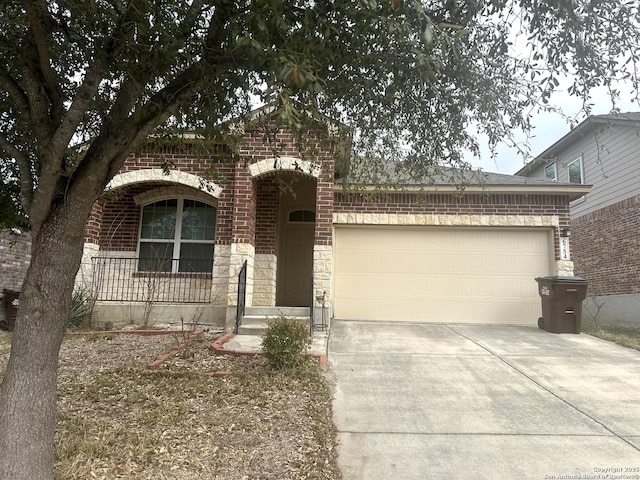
(302, 216)
(177, 235)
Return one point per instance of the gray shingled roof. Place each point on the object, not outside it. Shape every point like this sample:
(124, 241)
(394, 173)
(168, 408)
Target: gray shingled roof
(448, 176)
(517, 180)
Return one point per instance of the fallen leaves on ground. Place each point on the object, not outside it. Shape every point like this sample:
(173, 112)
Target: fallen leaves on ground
(119, 420)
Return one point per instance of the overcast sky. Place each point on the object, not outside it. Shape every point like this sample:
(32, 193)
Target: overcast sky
(549, 128)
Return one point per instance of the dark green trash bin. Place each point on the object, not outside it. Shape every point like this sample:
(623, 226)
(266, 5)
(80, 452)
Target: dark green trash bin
(11, 301)
(561, 303)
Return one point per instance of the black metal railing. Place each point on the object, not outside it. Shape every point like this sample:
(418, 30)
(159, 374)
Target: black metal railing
(311, 305)
(136, 280)
(319, 323)
(242, 295)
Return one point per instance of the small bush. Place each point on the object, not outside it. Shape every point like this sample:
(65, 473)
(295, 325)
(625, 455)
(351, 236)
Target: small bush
(81, 309)
(285, 343)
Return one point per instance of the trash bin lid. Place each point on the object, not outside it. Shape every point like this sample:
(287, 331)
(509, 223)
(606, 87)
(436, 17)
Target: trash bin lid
(558, 279)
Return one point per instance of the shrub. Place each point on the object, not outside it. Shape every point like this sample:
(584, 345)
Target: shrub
(81, 309)
(285, 343)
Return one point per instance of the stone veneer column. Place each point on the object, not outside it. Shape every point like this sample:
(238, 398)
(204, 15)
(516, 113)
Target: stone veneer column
(266, 242)
(564, 268)
(221, 275)
(264, 280)
(322, 266)
(84, 277)
(239, 253)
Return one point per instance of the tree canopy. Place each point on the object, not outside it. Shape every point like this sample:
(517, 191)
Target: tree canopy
(400, 72)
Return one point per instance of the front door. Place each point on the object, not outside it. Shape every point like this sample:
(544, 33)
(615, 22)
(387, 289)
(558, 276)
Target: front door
(297, 260)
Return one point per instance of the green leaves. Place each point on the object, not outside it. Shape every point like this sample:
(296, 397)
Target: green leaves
(403, 72)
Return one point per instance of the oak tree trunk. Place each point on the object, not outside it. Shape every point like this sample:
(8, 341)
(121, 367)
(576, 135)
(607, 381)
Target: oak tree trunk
(28, 394)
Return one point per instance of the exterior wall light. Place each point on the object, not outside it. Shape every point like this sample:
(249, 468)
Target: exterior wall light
(565, 232)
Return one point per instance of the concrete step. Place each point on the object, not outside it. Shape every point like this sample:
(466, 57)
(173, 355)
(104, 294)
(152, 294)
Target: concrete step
(252, 329)
(257, 324)
(278, 311)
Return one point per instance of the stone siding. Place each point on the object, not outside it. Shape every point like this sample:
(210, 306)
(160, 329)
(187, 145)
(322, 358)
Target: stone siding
(454, 209)
(322, 271)
(264, 280)
(239, 253)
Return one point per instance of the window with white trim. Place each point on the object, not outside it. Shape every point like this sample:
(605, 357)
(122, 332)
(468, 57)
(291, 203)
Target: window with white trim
(551, 172)
(576, 174)
(177, 236)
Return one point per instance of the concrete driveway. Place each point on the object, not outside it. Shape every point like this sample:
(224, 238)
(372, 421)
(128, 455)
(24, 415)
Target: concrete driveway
(483, 402)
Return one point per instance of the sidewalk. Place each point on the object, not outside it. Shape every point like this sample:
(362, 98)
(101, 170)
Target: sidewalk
(251, 343)
(231, 344)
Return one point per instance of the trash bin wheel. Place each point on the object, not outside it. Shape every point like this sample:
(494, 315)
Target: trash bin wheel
(541, 323)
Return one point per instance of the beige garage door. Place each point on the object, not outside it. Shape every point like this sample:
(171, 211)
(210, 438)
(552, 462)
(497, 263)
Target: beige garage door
(440, 274)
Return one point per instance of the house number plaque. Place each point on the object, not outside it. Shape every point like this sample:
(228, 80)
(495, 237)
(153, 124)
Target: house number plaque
(564, 248)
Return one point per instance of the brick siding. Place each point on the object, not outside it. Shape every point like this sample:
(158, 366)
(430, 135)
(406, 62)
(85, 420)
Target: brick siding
(605, 246)
(319, 152)
(244, 207)
(15, 255)
(325, 204)
(267, 209)
(114, 223)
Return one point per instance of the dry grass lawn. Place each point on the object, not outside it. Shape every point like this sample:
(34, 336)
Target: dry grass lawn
(118, 420)
(626, 336)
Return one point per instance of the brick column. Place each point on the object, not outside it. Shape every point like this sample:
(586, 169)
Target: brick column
(267, 232)
(323, 243)
(242, 233)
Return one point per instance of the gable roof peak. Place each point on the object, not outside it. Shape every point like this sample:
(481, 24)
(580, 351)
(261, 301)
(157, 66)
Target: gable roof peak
(607, 120)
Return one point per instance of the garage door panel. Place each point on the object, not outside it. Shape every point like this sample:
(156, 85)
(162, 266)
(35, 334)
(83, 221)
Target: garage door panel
(439, 274)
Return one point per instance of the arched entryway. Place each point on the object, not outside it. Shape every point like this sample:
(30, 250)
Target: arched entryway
(285, 232)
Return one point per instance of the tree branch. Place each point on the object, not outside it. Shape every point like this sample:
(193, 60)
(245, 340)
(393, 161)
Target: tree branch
(121, 131)
(41, 34)
(15, 91)
(81, 103)
(222, 14)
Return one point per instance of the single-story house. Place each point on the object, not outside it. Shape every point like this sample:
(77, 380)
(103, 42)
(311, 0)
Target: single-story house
(174, 241)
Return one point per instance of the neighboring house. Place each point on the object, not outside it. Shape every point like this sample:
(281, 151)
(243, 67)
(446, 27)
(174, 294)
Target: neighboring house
(15, 255)
(603, 151)
(175, 242)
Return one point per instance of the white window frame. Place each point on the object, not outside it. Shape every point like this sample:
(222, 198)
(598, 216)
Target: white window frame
(579, 159)
(177, 240)
(555, 172)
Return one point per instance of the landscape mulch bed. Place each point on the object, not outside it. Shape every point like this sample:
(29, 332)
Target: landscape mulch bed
(118, 419)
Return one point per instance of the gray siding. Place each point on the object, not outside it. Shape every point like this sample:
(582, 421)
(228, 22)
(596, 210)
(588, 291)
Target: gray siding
(611, 163)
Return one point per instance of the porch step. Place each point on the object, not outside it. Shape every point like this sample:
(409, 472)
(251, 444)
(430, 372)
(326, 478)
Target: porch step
(277, 311)
(255, 319)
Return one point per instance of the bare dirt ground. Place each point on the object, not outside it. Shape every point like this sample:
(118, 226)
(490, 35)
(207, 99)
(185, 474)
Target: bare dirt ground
(119, 420)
